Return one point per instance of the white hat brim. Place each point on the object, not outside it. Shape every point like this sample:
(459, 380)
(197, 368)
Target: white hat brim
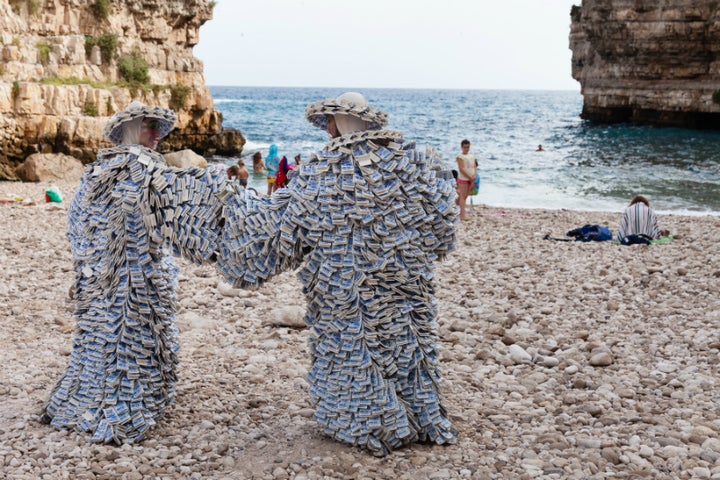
(166, 120)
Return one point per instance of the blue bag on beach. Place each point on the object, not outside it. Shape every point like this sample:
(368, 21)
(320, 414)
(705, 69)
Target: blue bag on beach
(588, 233)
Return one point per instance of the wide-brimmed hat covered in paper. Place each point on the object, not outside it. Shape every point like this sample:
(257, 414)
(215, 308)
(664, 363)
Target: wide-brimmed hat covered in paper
(166, 118)
(350, 103)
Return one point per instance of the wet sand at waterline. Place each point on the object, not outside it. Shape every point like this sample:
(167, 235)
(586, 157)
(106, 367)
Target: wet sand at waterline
(560, 360)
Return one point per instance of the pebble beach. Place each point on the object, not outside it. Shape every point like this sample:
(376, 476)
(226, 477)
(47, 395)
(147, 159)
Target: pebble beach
(560, 360)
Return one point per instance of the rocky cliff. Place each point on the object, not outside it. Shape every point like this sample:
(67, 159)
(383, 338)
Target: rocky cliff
(648, 61)
(67, 65)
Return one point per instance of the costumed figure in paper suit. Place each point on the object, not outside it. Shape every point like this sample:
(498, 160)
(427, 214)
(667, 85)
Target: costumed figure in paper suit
(130, 215)
(366, 218)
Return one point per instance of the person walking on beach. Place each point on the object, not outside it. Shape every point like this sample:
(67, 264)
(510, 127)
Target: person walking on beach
(467, 168)
(272, 162)
(638, 219)
(368, 249)
(129, 213)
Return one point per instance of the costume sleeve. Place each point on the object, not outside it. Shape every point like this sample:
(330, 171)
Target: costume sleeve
(437, 188)
(184, 210)
(264, 236)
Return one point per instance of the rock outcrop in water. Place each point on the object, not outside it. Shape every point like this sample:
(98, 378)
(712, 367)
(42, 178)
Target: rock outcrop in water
(648, 62)
(69, 64)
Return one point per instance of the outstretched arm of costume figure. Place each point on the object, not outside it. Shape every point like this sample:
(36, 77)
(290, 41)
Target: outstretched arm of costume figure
(185, 210)
(445, 216)
(264, 236)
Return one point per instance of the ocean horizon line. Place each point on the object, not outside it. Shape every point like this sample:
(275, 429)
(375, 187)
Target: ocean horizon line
(356, 88)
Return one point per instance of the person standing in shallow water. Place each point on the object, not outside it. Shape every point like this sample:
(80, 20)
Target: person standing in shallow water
(130, 214)
(258, 163)
(366, 218)
(467, 168)
(243, 173)
(272, 163)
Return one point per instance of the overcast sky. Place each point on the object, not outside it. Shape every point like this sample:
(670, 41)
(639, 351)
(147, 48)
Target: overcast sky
(474, 44)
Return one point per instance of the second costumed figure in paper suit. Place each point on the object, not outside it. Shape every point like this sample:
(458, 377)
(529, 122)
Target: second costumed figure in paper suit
(366, 218)
(131, 213)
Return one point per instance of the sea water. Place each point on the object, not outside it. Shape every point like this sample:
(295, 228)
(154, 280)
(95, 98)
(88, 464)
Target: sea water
(584, 166)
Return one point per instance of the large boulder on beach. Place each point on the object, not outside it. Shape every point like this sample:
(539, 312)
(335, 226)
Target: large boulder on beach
(44, 167)
(185, 158)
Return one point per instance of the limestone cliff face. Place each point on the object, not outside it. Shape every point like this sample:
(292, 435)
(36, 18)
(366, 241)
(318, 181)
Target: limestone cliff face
(648, 61)
(67, 65)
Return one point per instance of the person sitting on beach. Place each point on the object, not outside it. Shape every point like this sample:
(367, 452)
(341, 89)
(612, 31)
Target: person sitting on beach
(367, 250)
(242, 174)
(130, 214)
(272, 162)
(638, 219)
(298, 160)
(258, 164)
(467, 168)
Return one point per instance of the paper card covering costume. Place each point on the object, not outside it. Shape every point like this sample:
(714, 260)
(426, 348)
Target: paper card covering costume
(129, 214)
(366, 218)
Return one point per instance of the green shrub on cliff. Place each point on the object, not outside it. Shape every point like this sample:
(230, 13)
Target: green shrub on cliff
(44, 50)
(90, 109)
(15, 90)
(178, 96)
(716, 96)
(133, 68)
(108, 46)
(101, 9)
